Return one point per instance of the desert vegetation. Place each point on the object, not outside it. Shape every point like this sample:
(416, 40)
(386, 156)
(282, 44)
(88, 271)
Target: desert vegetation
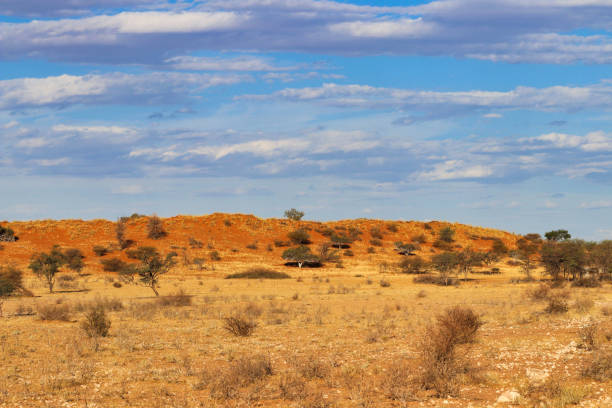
(196, 318)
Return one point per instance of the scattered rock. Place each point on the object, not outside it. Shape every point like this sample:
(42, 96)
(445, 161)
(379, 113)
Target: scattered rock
(537, 377)
(510, 396)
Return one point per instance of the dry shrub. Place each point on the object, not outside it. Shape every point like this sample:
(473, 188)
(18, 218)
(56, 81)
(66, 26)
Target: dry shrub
(103, 303)
(589, 336)
(96, 323)
(258, 273)
(606, 309)
(54, 311)
(311, 367)
(422, 294)
(239, 325)
(436, 280)
(583, 304)
(440, 359)
(180, 298)
(555, 394)
(541, 292)
(557, 304)
(384, 283)
(600, 366)
(397, 384)
(590, 282)
(242, 372)
(292, 387)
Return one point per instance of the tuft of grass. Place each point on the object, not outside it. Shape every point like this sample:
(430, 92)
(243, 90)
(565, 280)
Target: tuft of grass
(258, 273)
(541, 292)
(583, 304)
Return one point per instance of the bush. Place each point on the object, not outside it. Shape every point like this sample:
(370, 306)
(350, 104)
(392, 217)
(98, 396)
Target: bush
(392, 227)
(583, 304)
(100, 250)
(587, 283)
(10, 280)
(177, 299)
(294, 214)
(348, 252)
(258, 273)
(419, 239)
(376, 242)
(155, 228)
(214, 256)
(446, 234)
(371, 250)
(541, 292)
(54, 311)
(113, 264)
(600, 366)
(280, 243)
(239, 326)
(436, 280)
(439, 357)
(413, 265)
(252, 245)
(195, 244)
(384, 283)
(299, 237)
(376, 233)
(557, 304)
(117, 285)
(7, 234)
(96, 323)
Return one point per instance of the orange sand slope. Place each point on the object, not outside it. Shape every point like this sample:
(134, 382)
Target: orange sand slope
(229, 234)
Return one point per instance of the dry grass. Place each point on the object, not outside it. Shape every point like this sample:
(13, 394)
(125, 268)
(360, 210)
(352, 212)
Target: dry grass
(239, 325)
(54, 311)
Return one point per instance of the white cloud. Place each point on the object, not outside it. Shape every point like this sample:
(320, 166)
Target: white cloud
(555, 98)
(493, 115)
(455, 170)
(597, 204)
(128, 189)
(65, 90)
(52, 162)
(223, 64)
(402, 28)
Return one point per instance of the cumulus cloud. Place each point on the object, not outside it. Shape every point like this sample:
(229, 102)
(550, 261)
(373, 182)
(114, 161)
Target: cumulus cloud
(455, 170)
(554, 98)
(116, 88)
(510, 31)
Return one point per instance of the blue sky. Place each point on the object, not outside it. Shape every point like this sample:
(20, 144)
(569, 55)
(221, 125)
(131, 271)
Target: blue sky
(495, 113)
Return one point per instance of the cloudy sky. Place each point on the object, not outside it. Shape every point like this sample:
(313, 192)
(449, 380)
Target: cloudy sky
(487, 112)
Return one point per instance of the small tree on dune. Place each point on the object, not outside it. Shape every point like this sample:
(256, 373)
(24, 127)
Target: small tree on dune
(155, 228)
(294, 214)
(47, 265)
(152, 266)
(301, 255)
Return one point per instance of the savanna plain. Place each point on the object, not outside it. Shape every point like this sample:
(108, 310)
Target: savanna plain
(230, 310)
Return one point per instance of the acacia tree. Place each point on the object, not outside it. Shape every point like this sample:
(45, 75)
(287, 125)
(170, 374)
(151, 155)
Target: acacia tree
(467, 260)
(47, 265)
(445, 263)
(151, 266)
(558, 235)
(300, 254)
(600, 257)
(294, 214)
(526, 253)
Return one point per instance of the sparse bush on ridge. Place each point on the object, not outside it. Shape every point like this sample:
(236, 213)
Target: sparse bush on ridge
(258, 273)
(155, 228)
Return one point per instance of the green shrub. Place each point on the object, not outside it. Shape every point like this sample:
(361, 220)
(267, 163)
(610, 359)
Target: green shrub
(258, 273)
(113, 264)
(11, 280)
